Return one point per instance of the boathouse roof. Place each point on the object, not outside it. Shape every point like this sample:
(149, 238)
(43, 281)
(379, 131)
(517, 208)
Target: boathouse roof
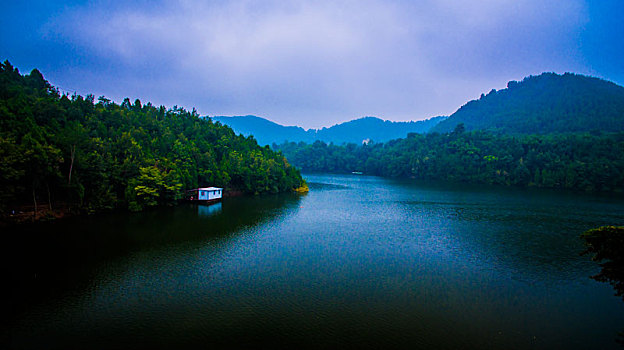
(209, 188)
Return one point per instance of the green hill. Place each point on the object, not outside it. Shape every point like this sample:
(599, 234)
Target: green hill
(548, 103)
(74, 151)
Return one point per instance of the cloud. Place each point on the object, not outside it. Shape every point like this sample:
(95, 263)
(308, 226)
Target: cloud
(314, 63)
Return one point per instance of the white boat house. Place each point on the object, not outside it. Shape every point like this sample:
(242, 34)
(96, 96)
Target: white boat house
(206, 194)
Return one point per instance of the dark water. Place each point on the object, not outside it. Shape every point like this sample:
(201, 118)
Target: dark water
(358, 262)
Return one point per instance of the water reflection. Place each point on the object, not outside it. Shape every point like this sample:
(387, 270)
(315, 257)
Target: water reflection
(358, 262)
(50, 261)
(209, 209)
(606, 247)
(527, 231)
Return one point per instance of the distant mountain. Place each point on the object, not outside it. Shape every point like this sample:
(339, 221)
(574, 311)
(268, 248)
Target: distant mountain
(264, 131)
(548, 103)
(375, 129)
(356, 131)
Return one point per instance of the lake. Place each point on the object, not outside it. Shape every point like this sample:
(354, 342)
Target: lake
(359, 261)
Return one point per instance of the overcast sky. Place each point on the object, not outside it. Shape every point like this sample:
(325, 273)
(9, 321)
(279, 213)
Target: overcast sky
(310, 63)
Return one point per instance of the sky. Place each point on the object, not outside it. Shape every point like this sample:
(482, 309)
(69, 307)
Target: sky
(310, 63)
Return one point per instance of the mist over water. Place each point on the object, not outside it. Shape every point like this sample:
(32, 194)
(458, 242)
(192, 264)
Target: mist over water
(359, 261)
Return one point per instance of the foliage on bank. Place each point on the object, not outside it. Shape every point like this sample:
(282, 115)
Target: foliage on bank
(582, 161)
(606, 246)
(98, 154)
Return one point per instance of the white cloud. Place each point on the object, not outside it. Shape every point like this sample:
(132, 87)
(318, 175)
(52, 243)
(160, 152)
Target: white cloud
(308, 62)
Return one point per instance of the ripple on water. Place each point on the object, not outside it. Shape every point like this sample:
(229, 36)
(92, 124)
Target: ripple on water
(357, 262)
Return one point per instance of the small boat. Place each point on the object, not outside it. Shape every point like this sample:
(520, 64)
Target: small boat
(357, 173)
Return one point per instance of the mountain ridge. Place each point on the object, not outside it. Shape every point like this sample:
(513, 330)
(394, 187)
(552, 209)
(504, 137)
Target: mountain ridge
(542, 104)
(357, 131)
(538, 104)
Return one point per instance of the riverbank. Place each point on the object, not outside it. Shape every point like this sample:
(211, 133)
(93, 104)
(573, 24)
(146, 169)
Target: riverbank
(24, 214)
(27, 214)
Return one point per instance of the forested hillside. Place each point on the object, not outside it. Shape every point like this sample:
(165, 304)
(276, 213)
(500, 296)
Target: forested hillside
(588, 162)
(93, 155)
(548, 103)
(354, 131)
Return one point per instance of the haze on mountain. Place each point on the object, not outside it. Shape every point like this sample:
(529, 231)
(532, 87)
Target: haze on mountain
(547, 103)
(542, 104)
(550, 131)
(356, 131)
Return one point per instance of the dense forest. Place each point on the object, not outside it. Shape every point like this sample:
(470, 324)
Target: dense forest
(92, 155)
(354, 131)
(547, 103)
(588, 161)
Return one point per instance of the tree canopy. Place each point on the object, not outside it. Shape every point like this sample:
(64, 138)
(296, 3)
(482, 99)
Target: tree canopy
(98, 154)
(587, 162)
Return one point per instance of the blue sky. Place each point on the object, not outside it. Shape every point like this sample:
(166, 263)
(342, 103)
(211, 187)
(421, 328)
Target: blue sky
(310, 63)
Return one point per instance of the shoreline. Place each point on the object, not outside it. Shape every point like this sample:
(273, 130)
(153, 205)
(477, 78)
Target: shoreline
(25, 214)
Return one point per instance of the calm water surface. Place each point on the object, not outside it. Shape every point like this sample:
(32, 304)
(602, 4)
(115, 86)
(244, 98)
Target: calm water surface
(358, 262)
